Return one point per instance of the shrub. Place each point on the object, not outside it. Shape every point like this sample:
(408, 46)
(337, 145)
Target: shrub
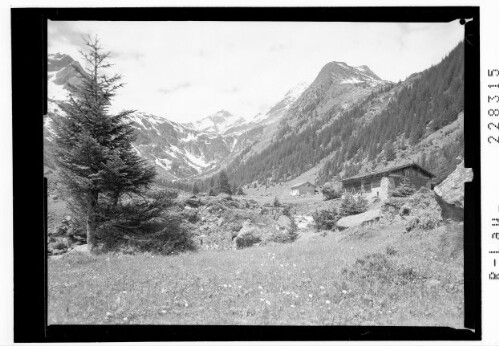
(325, 219)
(164, 236)
(287, 211)
(422, 222)
(276, 202)
(59, 245)
(212, 192)
(247, 239)
(330, 193)
(406, 188)
(351, 205)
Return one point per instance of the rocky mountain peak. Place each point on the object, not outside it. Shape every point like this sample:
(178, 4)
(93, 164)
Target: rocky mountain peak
(57, 61)
(338, 72)
(218, 123)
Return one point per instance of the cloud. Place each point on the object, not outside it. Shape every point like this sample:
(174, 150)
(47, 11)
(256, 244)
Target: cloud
(245, 66)
(174, 88)
(63, 32)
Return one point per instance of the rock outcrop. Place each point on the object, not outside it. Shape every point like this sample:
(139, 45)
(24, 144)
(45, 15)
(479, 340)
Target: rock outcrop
(450, 193)
(358, 219)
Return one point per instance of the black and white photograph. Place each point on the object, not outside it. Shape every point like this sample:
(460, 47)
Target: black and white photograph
(255, 173)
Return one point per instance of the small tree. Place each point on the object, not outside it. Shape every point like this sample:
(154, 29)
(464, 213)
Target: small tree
(389, 152)
(330, 193)
(223, 183)
(406, 188)
(240, 191)
(325, 219)
(97, 162)
(351, 205)
(195, 189)
(276, 202)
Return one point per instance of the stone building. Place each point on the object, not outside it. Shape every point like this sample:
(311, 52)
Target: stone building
(380, 183)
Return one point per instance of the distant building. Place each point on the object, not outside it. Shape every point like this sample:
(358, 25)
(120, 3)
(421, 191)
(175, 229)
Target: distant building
(380, 183)
(305, 188)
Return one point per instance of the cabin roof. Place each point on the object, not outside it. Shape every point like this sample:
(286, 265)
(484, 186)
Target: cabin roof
(387, 170)
(301, 184)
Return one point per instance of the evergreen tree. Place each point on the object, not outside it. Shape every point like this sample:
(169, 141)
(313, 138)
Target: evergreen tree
(240, 191)
(195, 189)
(94, 148)
(406, 188)
(223, 183)
(389, 152)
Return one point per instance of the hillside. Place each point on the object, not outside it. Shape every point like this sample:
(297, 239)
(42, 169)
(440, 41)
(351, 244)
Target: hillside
(349, 127)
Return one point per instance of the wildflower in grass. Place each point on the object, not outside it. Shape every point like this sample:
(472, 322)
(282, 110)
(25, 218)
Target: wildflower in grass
(125, 319)
(303, 272)
(344, 292)
(267, 302)
(321, 287)
(294, 265)
(225, 286)
(310, 295)
(292, 306)
(260, 287)
(328, 302)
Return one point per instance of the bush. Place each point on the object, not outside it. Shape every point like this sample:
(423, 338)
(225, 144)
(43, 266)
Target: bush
(164, 236)
(287, 211)
(422, 222)
(325, 219)
(330, 193)
(406, 188)
(276, 202)
(247, 239)
(351, 205)
(285, 236)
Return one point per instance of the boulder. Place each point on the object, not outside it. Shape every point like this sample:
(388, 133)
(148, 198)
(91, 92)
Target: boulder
(284, 222)
(450, 193)
(248, 236)
(81, 248)
(358, 219)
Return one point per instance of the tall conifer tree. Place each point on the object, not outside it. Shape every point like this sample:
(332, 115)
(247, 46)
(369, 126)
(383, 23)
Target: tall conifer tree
(94, 148)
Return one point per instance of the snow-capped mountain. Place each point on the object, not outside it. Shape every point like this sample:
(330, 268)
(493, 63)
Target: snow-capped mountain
(220, 123)
(178, 150)
(337, 84)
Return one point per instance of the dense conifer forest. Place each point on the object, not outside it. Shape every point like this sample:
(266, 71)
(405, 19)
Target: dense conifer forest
(425, 103)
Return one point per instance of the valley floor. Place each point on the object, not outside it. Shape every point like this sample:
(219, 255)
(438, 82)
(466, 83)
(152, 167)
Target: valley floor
(361, 276)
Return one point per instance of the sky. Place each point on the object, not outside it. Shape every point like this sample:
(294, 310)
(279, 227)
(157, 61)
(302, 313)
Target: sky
(186, 71)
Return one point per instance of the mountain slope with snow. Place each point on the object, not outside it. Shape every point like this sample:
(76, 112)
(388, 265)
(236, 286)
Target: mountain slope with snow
(179, 151)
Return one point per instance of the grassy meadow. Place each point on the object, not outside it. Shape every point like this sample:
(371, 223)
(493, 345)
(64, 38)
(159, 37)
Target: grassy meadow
(363, 276)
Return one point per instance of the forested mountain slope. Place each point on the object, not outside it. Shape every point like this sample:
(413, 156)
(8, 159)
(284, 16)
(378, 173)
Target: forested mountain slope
(371, 131)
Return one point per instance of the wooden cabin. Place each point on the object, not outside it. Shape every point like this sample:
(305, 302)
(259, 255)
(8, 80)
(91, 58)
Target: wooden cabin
(380, 183)
(305, 188)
